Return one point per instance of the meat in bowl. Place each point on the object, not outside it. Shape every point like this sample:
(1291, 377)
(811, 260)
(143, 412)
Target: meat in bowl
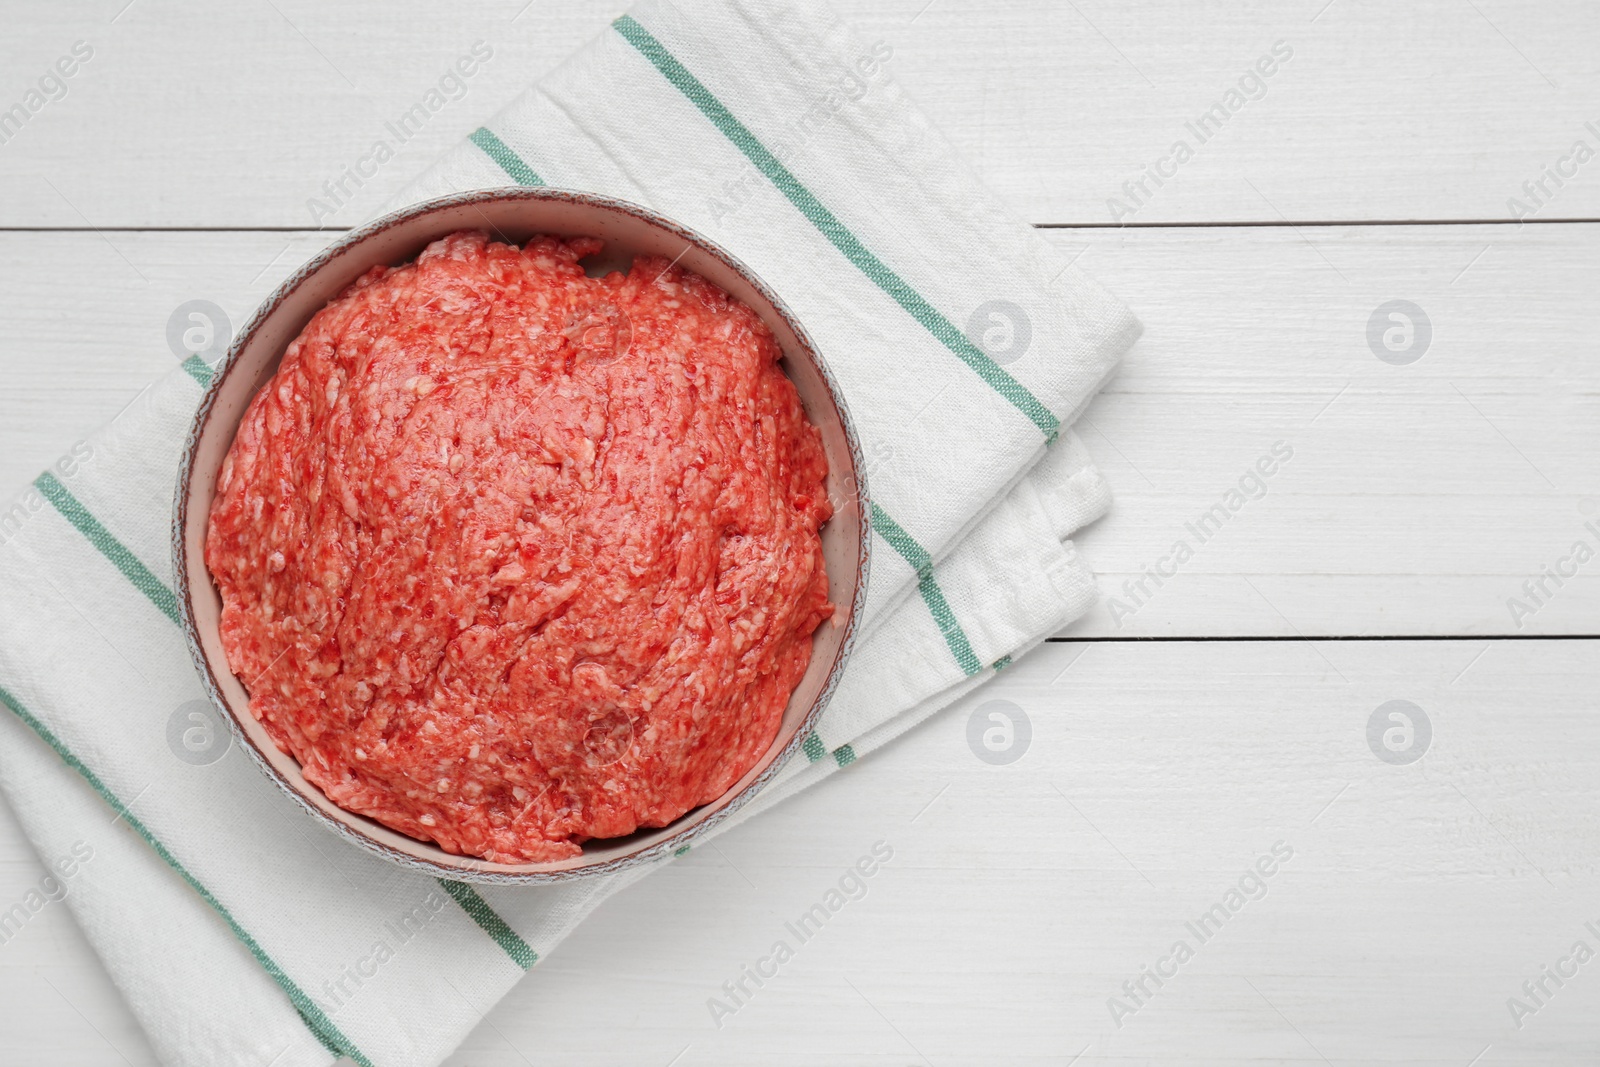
(511, 557)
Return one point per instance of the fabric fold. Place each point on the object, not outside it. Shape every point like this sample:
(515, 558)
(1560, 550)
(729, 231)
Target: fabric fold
(239, 931)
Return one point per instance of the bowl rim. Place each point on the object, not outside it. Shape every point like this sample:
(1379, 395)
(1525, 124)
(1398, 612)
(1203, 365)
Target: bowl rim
(672, 844)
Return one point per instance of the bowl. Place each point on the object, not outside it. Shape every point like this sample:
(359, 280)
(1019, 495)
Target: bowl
(512, 215)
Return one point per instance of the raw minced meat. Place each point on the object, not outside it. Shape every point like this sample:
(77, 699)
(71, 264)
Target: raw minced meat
(511, 557)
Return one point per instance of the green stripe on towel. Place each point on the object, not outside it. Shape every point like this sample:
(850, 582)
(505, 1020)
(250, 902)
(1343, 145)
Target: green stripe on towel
(162, 597)
(928, 586)
(501, 153)
(112, 549)
(478, 908)
(812, 746)
(835, 231)
(199, 370)
(319, 1023)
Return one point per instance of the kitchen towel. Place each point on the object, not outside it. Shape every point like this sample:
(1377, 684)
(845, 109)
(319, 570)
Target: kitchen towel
(243, 934)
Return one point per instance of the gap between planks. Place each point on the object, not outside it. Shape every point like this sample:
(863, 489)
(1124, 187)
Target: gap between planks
(1259, 224)
(1166, 639)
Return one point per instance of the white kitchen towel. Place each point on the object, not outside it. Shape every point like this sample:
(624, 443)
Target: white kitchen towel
(770, 128)
(241, 933)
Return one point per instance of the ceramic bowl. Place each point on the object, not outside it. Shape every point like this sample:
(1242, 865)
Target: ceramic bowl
(512, 215)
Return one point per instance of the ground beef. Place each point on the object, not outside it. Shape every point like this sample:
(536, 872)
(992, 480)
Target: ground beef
(511, 557)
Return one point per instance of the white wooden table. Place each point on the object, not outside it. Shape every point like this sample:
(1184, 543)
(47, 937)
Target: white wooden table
(1377, 167)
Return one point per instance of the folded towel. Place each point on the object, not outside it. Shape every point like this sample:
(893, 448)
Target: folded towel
(240, 932)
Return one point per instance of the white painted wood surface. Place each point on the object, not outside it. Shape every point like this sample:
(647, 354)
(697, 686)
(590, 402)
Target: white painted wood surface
(190, 114)
(1419, 497)
(1418, 500)
(1019, 898)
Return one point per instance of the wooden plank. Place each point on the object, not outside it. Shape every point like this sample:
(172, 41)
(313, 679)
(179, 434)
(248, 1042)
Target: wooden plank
(1419, 497)
(1019, 899)
(189, 114)
(1417, 501)
(1418, 899)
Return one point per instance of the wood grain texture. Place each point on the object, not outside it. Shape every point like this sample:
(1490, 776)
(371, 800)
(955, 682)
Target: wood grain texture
(1417, 501)
(234, 116)
(1019, 898)
(1417, 900)
(1419, 497)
